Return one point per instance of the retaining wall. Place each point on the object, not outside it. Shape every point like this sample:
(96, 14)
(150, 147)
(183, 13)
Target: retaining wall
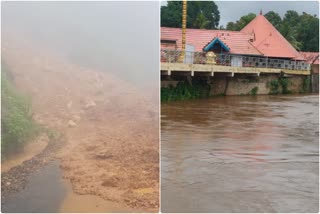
(242, 84)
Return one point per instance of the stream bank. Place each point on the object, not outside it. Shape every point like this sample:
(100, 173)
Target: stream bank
(177, 87)
(38, 197)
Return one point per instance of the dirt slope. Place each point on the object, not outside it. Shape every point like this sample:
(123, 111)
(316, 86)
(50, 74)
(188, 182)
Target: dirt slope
(111, 128)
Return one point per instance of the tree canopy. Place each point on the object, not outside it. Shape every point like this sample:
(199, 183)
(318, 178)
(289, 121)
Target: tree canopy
(241, 23)
(302, 31)
(308, 32)
(274, 18)
(200, 14)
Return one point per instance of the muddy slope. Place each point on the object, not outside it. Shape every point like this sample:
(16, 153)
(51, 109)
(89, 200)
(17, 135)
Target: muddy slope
(111, 129)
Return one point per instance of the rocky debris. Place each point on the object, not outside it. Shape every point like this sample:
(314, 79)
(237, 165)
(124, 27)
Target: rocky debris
(99, 103)
(90, 104)
(103, 155)
(76, 118)
(15, 179)
(69, 105)
(110, 182)
(71, 123)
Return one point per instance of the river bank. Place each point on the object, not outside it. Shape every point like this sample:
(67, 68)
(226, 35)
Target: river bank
(29, 151)
(57, 197)
(186, 87)
(14, 176)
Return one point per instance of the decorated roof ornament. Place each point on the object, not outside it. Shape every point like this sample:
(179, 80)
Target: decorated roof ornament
(214, 41)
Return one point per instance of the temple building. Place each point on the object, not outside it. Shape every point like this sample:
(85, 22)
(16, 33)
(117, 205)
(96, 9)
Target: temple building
(255, 60)
(258, 44)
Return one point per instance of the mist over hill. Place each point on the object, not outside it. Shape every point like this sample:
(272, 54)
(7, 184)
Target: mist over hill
(117, 37)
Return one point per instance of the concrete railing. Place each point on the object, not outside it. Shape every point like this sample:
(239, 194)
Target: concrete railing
(175, 56)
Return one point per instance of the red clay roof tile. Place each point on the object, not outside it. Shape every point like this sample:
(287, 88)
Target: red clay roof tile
(311, 57)
(238, 42)
(268, 40)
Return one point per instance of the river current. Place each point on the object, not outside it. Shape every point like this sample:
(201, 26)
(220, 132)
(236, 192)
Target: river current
(240, 154)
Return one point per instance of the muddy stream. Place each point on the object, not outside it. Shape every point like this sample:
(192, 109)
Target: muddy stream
(47, 192)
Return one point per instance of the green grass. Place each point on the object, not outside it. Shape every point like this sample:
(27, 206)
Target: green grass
(17, 124)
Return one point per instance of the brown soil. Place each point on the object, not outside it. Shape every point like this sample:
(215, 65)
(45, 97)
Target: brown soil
(76, 203)
(111, 129)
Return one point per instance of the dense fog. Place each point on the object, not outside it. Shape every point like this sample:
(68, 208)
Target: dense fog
(117, 37)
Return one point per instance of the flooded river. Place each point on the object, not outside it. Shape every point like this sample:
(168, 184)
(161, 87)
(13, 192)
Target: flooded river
(240, 154)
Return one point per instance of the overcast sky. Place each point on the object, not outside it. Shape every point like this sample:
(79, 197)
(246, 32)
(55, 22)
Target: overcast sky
(233, 10)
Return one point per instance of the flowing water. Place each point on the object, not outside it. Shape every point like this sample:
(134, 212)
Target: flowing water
(240, 154)
(47, 192)
(43, 193)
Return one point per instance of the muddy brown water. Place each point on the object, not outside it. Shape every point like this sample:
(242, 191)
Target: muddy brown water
(47, 192)
(43, 193)
(240, 154)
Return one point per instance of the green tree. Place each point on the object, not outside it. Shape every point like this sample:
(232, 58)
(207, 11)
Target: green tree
(291, 17)
(232, 26)
(302, 31)
(201, 21)
(308, 32)
(290, 33)
(288, 28)
(241, 23)
(171, 15)
(274, 18)
(200, 14)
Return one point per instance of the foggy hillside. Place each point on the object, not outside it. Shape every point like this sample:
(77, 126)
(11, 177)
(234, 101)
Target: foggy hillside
(110, 36)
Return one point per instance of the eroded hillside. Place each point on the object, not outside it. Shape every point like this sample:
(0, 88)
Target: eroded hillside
(110, 126)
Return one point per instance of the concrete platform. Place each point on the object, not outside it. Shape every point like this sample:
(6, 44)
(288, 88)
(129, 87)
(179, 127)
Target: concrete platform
(210, 69)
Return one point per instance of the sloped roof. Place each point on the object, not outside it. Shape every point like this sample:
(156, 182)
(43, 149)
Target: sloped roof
(311, 57)
(238, 42)
(214, 41)
(268, 40)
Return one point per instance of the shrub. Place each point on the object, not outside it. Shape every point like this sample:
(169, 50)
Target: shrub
(254, 91)
(16, 118)
(274, 87)
(185, 91)
(284, 82)
(306, 85)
